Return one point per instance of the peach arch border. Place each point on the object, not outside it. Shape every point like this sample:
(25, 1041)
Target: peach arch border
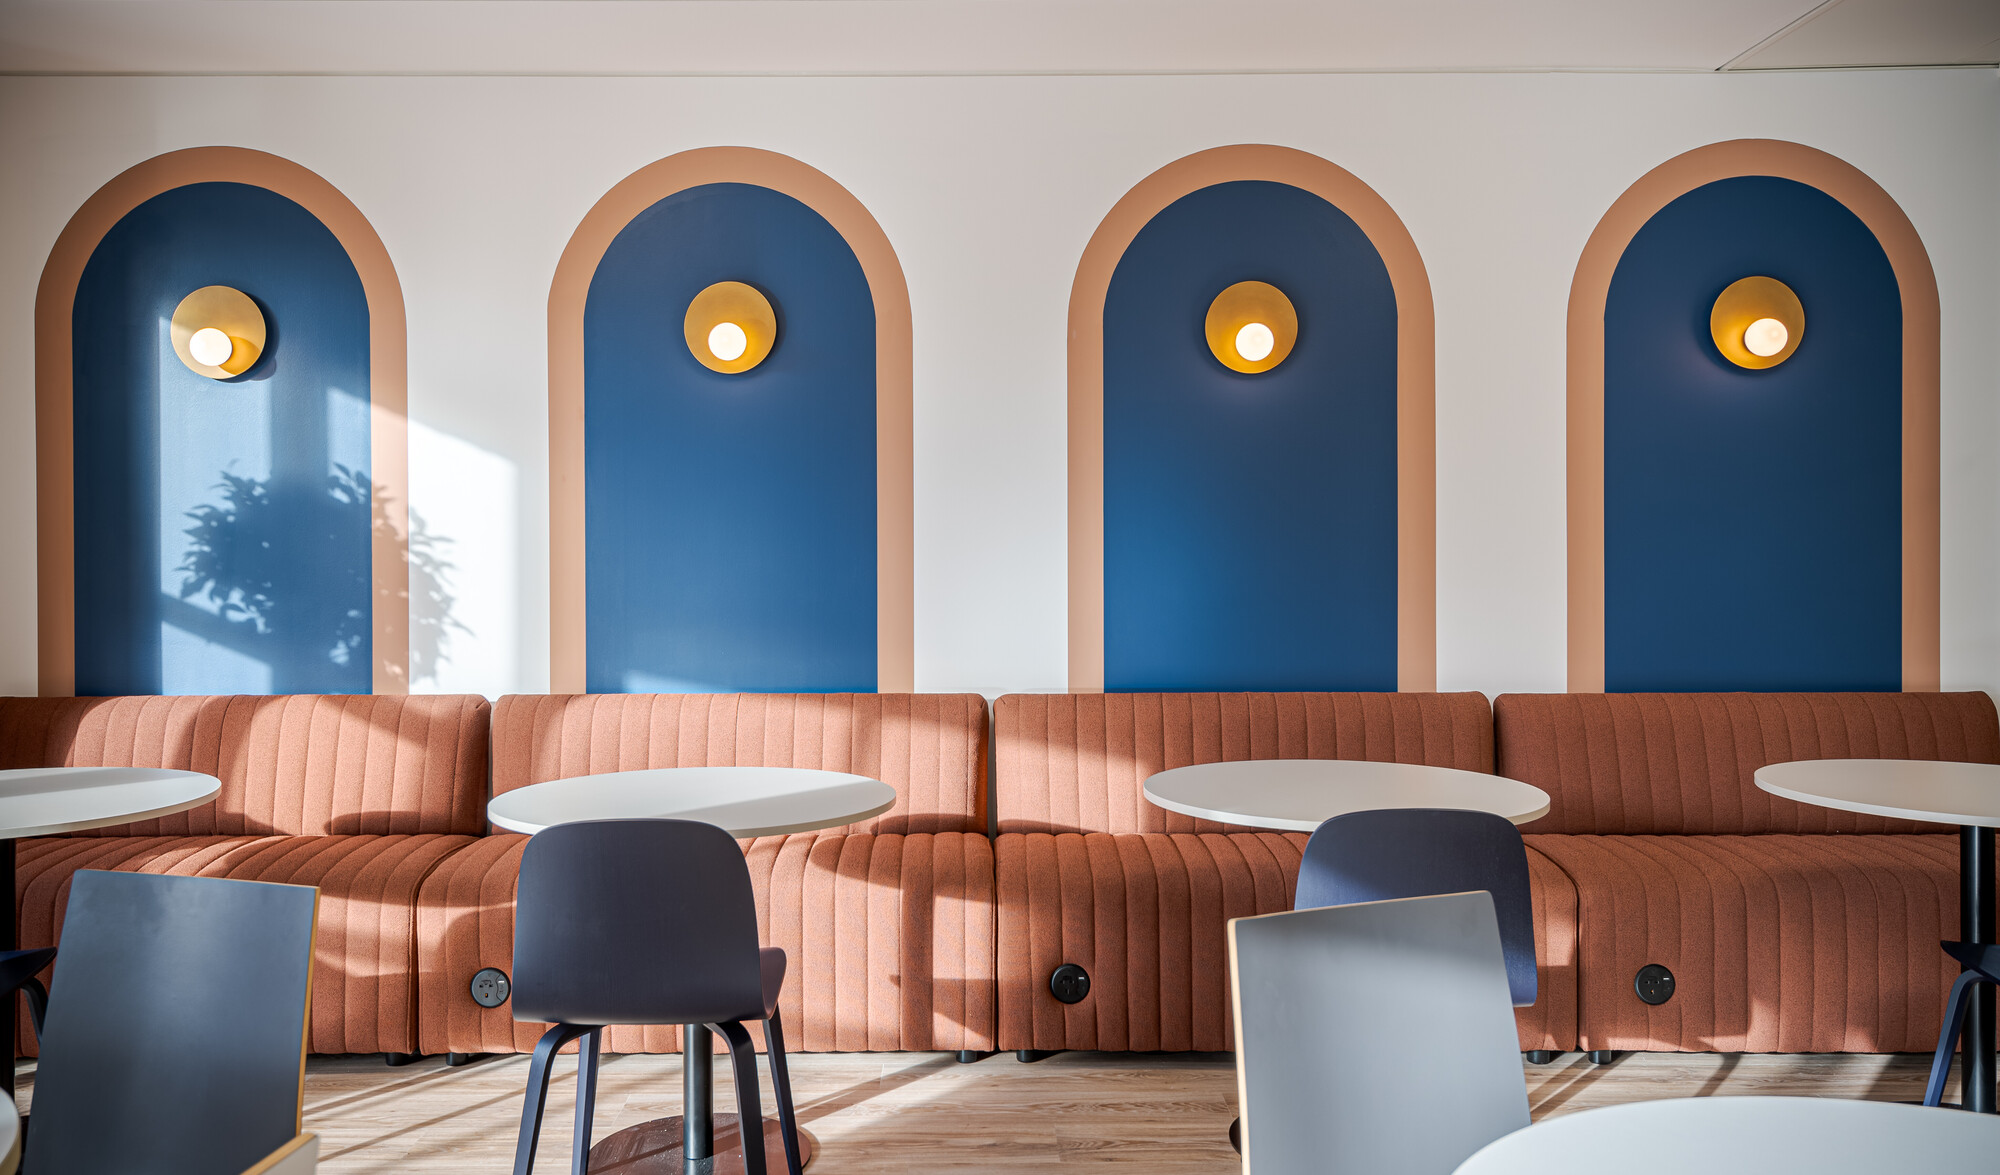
(895, 567)
(1588, 291)
(388, 396)
(1416, 398)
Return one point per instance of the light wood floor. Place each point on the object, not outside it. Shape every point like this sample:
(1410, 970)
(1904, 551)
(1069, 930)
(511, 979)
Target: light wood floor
(908, 1112)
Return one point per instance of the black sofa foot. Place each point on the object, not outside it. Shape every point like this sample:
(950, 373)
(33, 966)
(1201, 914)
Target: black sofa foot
(397, 1059)
(968, 1056)
(1540, 1056)
(1030, 1056)
(454, 1060)
(1602, 1056)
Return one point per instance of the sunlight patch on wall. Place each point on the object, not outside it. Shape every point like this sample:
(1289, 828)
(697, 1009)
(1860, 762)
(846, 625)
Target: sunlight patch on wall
(464, 533)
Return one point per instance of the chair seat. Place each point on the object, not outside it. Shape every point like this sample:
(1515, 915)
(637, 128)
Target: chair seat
(771, 963)
(364, 970)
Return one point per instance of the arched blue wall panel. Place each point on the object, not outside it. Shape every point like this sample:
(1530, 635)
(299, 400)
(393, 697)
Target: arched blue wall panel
(1250, 521)
(222, 528)
(731, 518)
(1753, 519)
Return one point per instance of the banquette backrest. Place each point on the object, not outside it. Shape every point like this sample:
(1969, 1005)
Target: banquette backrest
(292, 765)
(930, 747)
(1683, 763)
(1077, 762)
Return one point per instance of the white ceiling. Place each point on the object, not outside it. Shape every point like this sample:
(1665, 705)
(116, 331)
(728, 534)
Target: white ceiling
(982, 36)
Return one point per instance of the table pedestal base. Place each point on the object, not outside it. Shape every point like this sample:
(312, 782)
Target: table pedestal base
(654, 1148)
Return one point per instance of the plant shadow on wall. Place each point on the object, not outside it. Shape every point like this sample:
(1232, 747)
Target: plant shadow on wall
(253, 563)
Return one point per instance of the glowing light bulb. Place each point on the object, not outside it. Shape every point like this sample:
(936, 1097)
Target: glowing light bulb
(727, 342)
(1765, 337)
(1254, 342)
(210, 347)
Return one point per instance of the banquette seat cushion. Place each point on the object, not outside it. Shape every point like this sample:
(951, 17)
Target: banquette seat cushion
(887, 924)
(360, 796)
(1788, 927)
(1091, 873)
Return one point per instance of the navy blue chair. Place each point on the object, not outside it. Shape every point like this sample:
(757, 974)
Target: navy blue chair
(18, 970)
(1982, 965)
(644, 922)
(176, 1033)
(1421, 852)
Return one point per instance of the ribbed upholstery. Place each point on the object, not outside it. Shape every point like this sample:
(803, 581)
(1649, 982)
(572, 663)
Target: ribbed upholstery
(364, 954)
(298, 765)
(1681, 764)
(1090, 873)
(1146, 914)
(888, 925)
(889, 940)
(1077, 762)
(360, 796)
(1778, 943)
(930, 747)
(1788, 927)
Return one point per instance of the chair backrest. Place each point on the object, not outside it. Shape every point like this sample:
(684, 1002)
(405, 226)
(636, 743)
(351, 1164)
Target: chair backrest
(291, 765)
(1077, 762)
(930, 747)
(635, 922)
(1417, 852)
(176, 1032)
(1685, 763)
(1376, 1037)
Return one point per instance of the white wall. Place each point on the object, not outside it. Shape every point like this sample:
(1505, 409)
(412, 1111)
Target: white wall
(989, 187)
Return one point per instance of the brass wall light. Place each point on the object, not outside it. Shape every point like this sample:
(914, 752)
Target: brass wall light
(730, 327)
(218, 332)
(1251, 327)
(1757, 322)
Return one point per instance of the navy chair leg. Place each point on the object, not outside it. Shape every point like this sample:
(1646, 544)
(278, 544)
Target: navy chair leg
(538, 1092)
(781, 1085)
(586, 1100)
(38, 1003)
(1954, 1018)
(749, 1107)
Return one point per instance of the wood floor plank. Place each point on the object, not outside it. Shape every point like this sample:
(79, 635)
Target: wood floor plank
(898, 1113)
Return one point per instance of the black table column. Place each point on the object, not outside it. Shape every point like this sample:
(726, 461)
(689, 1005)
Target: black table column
(9, 940)
(1976, 925)
(697, 1097)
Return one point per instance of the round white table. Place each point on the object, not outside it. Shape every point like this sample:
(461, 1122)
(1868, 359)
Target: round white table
(1965, 794)
(10, 1139)
(42, 801)
(1298, 795)
(1746, 1136)
(745, 802)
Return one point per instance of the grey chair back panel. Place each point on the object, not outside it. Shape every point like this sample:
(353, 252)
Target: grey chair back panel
(1373, 1038)
(176, 1032)
(635, 922)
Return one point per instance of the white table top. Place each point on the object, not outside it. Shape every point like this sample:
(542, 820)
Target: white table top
(1910, 789)
(744, 801)
(1298, 795)
(1748, 1136)
(42, 801)
(10, 1138)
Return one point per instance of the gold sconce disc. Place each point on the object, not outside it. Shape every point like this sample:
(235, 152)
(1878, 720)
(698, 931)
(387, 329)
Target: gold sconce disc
(1750, 300)
(1240, 306)
(736, 303)
(228, 310)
